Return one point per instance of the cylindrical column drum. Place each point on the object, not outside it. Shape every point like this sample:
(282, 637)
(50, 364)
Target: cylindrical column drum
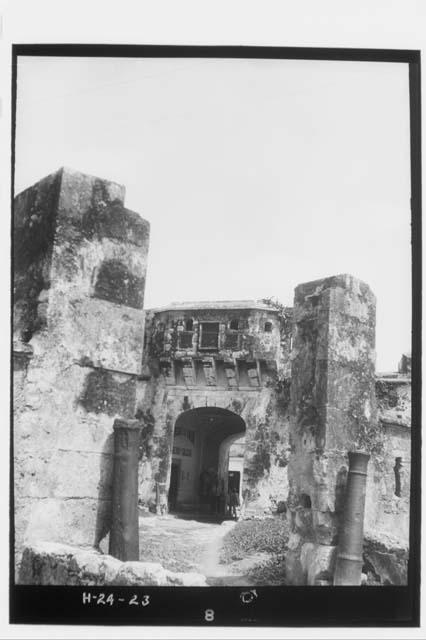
(349, 554)
(124, 536)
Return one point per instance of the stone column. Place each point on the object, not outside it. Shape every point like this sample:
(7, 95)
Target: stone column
(349, 556)
(333, 411)
(124, 536)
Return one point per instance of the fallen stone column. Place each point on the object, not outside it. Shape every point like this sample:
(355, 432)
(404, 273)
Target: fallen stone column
(124, 536)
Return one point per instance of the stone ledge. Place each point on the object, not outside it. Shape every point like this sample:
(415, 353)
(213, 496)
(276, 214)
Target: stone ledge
(389, 422)
(52, 563)
(22, 349)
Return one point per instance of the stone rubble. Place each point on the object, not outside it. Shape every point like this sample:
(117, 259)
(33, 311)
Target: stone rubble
(50, 563)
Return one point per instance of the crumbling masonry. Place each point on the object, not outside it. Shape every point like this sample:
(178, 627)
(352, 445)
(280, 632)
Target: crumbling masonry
(267, 398)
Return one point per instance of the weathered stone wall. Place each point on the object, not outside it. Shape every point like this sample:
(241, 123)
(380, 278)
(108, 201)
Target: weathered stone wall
(60, 564)
(394, 400)
(385, 563)
(167, 333)
(78, 307)
(333, 411)
(34, 224)
(388, 489)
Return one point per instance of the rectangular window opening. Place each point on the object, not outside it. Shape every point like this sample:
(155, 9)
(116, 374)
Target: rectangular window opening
(209, 336)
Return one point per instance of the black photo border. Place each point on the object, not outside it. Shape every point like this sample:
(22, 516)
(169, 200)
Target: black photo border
(275, 606)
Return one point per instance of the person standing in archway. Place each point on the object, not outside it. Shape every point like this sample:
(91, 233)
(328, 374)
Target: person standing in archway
(219, 495)
(234, 502)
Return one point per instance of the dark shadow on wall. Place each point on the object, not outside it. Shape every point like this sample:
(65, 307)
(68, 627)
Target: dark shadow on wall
(116, 283)
(106, 392)
(104, 512)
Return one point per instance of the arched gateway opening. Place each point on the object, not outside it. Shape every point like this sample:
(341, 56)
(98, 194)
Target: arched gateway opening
(207, 459)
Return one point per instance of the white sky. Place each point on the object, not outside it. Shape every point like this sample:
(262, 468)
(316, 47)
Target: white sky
(255, 175)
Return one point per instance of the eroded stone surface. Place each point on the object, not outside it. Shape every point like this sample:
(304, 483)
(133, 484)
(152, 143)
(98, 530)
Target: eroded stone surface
(52, 563)
(333, 405)
(84, 347)
(318, 562)
(385, 560)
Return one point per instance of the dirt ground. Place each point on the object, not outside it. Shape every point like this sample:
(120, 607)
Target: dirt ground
(182, 544)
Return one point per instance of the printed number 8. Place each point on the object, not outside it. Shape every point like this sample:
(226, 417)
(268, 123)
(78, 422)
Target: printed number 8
(209, 615)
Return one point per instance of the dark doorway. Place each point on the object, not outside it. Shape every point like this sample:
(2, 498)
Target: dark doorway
(174, 484)
(234, 481)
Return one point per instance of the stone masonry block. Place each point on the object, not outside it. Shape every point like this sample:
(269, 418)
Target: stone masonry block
(333, 405)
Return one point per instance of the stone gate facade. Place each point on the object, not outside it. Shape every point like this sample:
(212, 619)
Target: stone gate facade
(274, 395)
(231, 356)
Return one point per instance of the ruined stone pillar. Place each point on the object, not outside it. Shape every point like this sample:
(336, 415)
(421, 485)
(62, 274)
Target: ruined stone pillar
(333, 411)
(124, 536)
(80, 259)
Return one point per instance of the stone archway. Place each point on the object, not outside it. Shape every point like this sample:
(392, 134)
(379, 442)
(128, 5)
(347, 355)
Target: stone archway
(201, 443)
